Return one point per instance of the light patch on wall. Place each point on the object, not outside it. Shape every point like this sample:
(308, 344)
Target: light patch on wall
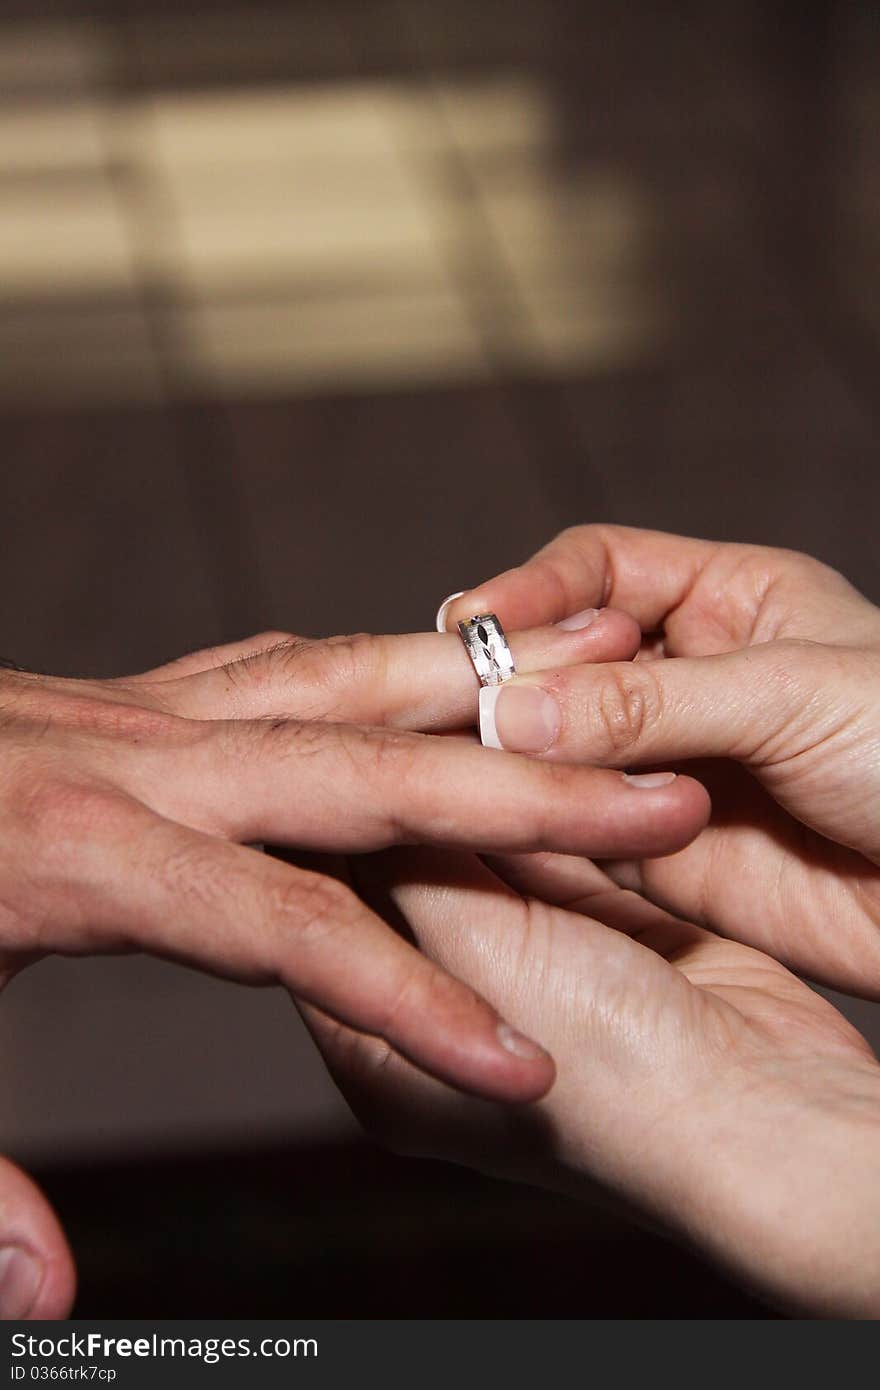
(337, 236)
(272, 189)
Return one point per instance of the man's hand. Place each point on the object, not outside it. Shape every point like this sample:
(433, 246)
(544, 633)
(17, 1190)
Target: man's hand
(763, 661)
(126, 809)
(698, 1082)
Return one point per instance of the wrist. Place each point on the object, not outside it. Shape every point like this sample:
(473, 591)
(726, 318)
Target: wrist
(784, 1189)
(773, 1177)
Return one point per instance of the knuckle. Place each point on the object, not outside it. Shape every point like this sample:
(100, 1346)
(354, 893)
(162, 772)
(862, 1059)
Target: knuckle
(393, 762)
(628, 706)
(255, 677)
(324, 672)
(792, 662)
(797, 571)
(797, 683)
(312, 908)
(802, 565)
(278, 660)
(549, 578)
(579, 543)
(338, 665)
(61, 812)
(235, 743)
(427, 991)
(387, 765)
(802, 669)
(52, 804)
(287, 738)
(581, 533)
(270, 639)
(391, 752)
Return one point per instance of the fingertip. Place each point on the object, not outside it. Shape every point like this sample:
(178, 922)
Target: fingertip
(440, 621)
(629, 634)
(58, 1289)
(615, 635)
(533, 1085)
(530, 1073)
(682, 807)
(697, 803)
(647, 817)
(485, 1056)
(38, 1275)
(458, 607)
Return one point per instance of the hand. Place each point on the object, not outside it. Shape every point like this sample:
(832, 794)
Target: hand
(697, 1080)
(761, 657)
(126, 808)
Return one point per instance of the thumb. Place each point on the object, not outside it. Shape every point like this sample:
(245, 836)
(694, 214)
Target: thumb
(760, 705)
(797, 714)
(645, 573)
(37, 1274)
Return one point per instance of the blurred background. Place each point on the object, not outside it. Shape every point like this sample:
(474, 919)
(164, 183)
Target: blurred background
(289, 294)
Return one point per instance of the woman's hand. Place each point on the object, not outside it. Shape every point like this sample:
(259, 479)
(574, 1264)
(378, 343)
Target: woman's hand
(698, 1081)
(126, 808)
(763, 658)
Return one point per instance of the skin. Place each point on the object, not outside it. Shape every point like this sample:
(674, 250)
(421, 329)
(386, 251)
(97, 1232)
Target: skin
(699, 1083)
(698, 1080)
(127, 809)
(760, 672)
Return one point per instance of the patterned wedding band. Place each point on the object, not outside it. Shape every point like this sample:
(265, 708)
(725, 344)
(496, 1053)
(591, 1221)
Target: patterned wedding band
(487, 648)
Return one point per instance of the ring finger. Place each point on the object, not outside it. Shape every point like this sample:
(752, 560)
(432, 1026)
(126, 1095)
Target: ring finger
(418, 681)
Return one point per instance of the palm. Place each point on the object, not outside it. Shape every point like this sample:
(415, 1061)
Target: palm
(761, 876)
(699, 1083)
(622, 994)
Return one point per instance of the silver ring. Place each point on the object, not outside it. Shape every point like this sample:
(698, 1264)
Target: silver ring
(486, 645)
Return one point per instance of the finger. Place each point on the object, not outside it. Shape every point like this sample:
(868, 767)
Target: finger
(209, 658)
(547, 965)
(578, 885)
(756, 885)
(604, 999)
(758, 706)
(707, 596)
(147, 883)
(702, 956)
(338, 787)
(37, 1274)
(421, 681)
(587, 958)
(758, 876)
(397, 1103)
(646, 573)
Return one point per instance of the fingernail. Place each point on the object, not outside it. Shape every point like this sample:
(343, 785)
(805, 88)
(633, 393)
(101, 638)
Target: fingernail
(440, 620)
(579, 620)
(649, 779)
(520, 718)
(518, 1044)
(21, 1274)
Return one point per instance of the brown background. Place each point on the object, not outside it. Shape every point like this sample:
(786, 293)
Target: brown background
(309, 314)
